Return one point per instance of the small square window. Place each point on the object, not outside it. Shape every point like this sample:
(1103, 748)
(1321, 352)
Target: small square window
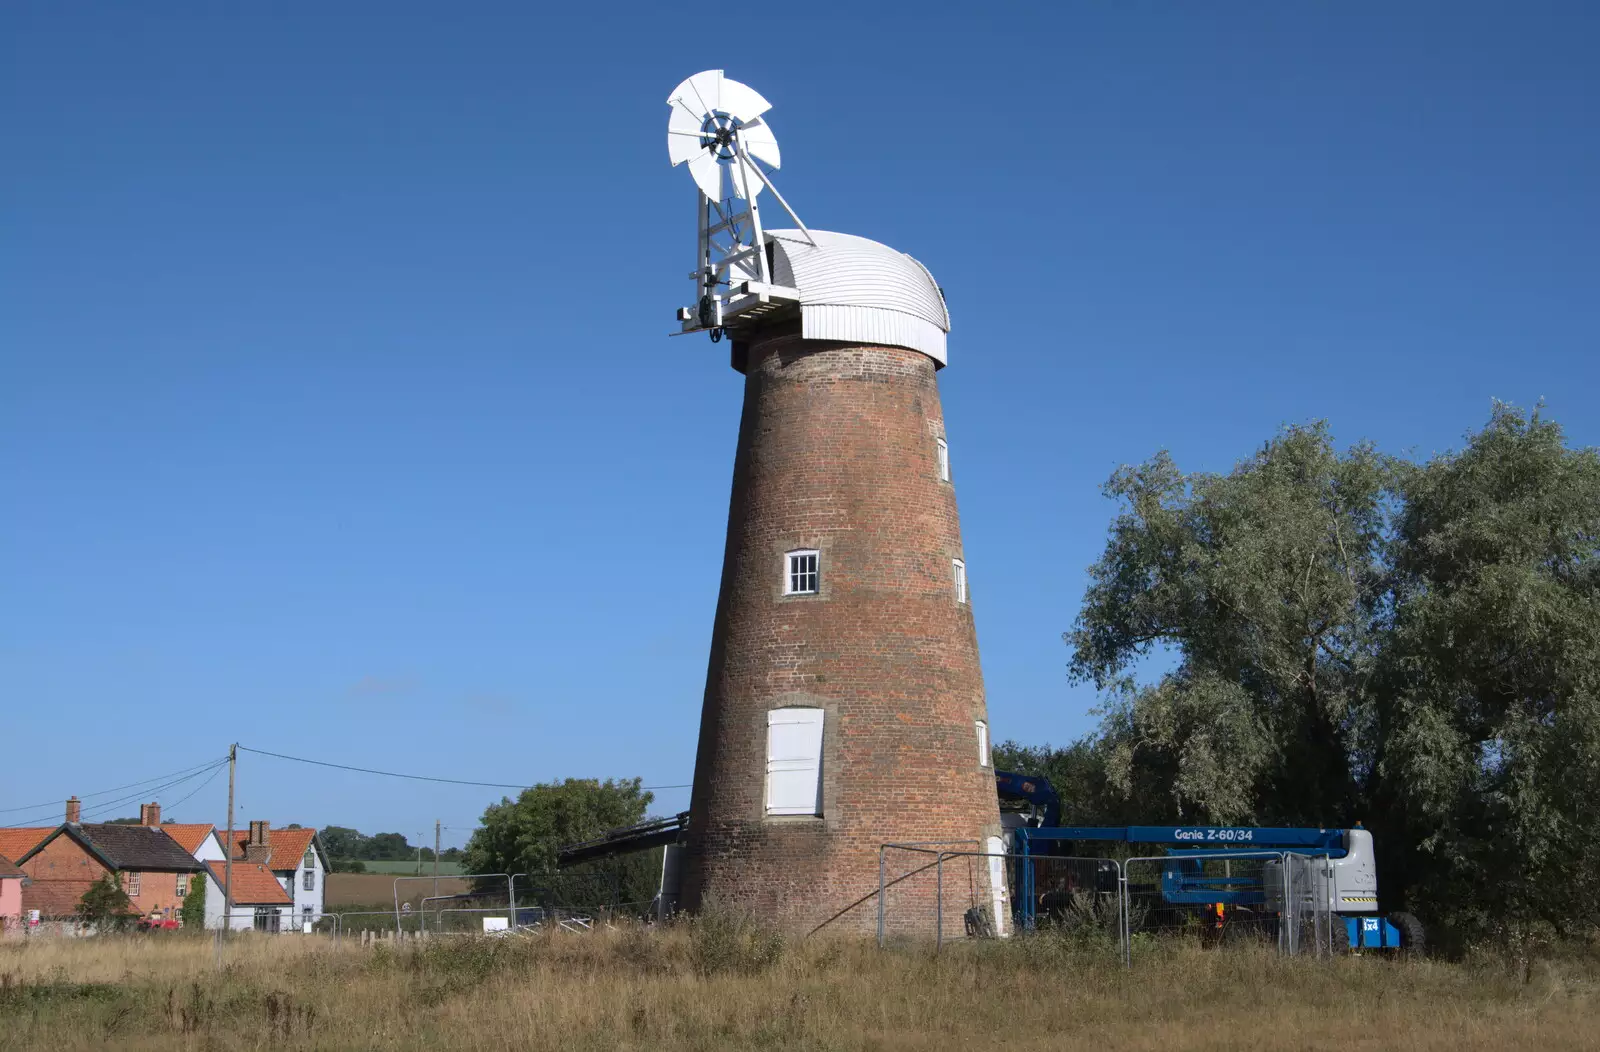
(801, 576)
(944, 461)
(961, 579)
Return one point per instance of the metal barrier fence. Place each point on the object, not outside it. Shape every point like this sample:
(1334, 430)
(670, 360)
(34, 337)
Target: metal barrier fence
(908, 886)
(1282, 899)
(1060, 893)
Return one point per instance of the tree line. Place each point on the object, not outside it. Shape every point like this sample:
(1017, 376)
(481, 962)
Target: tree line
(347, 848)
(1323, 637)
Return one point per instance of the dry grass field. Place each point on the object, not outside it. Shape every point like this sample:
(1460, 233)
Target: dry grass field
(720, 985)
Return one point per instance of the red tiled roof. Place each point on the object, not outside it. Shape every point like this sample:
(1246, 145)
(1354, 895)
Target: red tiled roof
(14, 843)
(253, 885)
(288, 845)
(188, 835)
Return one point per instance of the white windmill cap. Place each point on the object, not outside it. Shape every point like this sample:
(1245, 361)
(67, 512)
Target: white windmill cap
(857, 290)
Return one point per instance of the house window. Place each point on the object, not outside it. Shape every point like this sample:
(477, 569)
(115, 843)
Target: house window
(985, 757)
(944, 461)
(800, 573)
(305, 914)
(794, 761)
(961, 579)
(130, 883)
(309, 880)
(183, 884)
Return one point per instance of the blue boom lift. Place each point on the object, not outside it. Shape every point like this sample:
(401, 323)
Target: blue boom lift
(1347, 879)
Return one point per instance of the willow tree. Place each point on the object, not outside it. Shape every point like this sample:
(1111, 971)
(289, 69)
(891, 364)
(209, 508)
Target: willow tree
(1264, 587)
(1349, 637)
(1491, 730)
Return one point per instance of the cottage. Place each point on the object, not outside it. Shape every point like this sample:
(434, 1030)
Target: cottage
(154, 871)
(260, 900)
(294, 857)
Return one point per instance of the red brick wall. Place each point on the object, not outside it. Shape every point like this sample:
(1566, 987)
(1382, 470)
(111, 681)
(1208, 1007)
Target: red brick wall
(61, 872)
(837, 452)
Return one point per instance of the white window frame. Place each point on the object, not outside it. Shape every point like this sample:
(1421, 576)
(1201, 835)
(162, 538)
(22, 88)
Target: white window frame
(133, 884)
(308, 882)
(794, 762)
(985, 753)
(959, 569)
(791, 576)
(183, 884)
(944, 460)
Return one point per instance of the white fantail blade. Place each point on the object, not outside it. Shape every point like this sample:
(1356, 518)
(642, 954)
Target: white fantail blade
(760, 143)
(683, 135)
(701, 94)
(742, 101)
(707, 174)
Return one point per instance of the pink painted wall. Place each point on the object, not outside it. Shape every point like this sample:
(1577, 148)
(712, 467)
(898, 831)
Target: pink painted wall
(10, 896)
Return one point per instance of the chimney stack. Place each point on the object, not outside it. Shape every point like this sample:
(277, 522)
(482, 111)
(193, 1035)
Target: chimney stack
(150, 814)
(258, 848)
(74, 809)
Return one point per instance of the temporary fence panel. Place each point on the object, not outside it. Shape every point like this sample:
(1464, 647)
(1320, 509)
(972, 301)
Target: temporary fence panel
(1304, 895)
(908, 886)
(1062, 893)
(487, 890)
(1222, 896)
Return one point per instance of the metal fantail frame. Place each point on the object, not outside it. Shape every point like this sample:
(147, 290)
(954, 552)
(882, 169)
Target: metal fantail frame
(716, 126)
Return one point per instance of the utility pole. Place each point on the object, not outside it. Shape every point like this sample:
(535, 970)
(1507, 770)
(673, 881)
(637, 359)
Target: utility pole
(436, 858)
(227, 850)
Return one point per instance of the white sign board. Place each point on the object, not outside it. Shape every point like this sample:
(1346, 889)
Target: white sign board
(496, 924)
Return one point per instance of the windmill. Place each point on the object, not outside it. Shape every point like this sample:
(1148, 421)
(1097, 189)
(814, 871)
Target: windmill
(844, 703)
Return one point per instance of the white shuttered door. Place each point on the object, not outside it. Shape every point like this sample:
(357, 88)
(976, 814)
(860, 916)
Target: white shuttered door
(794, 762)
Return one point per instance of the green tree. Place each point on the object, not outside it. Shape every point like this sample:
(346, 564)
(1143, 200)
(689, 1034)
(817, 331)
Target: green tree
(105, 904)
(343, 842)
(1347, 636)
(1264, 585)
(1492, 743)
(1078, 775)
(522, 836)
(388, 847)
(193, 913)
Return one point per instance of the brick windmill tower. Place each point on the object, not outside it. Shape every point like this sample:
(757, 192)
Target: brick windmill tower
(844, 704)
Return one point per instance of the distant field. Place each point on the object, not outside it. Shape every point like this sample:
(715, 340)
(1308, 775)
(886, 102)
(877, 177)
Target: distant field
(406, 869)
(367, 889)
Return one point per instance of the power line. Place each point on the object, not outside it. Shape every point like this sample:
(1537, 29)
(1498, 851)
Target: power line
(416, 777)
(116, 805)
(106, 792)
(214, 772)
(53, 816)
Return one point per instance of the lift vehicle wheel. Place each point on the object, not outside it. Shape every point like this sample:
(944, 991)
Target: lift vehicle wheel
(1412, 940)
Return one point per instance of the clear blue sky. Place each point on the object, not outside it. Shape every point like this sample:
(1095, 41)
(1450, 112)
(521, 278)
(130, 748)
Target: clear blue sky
(338, 415)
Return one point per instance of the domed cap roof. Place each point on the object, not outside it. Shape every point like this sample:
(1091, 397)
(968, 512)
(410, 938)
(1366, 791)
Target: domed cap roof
(857, 290)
